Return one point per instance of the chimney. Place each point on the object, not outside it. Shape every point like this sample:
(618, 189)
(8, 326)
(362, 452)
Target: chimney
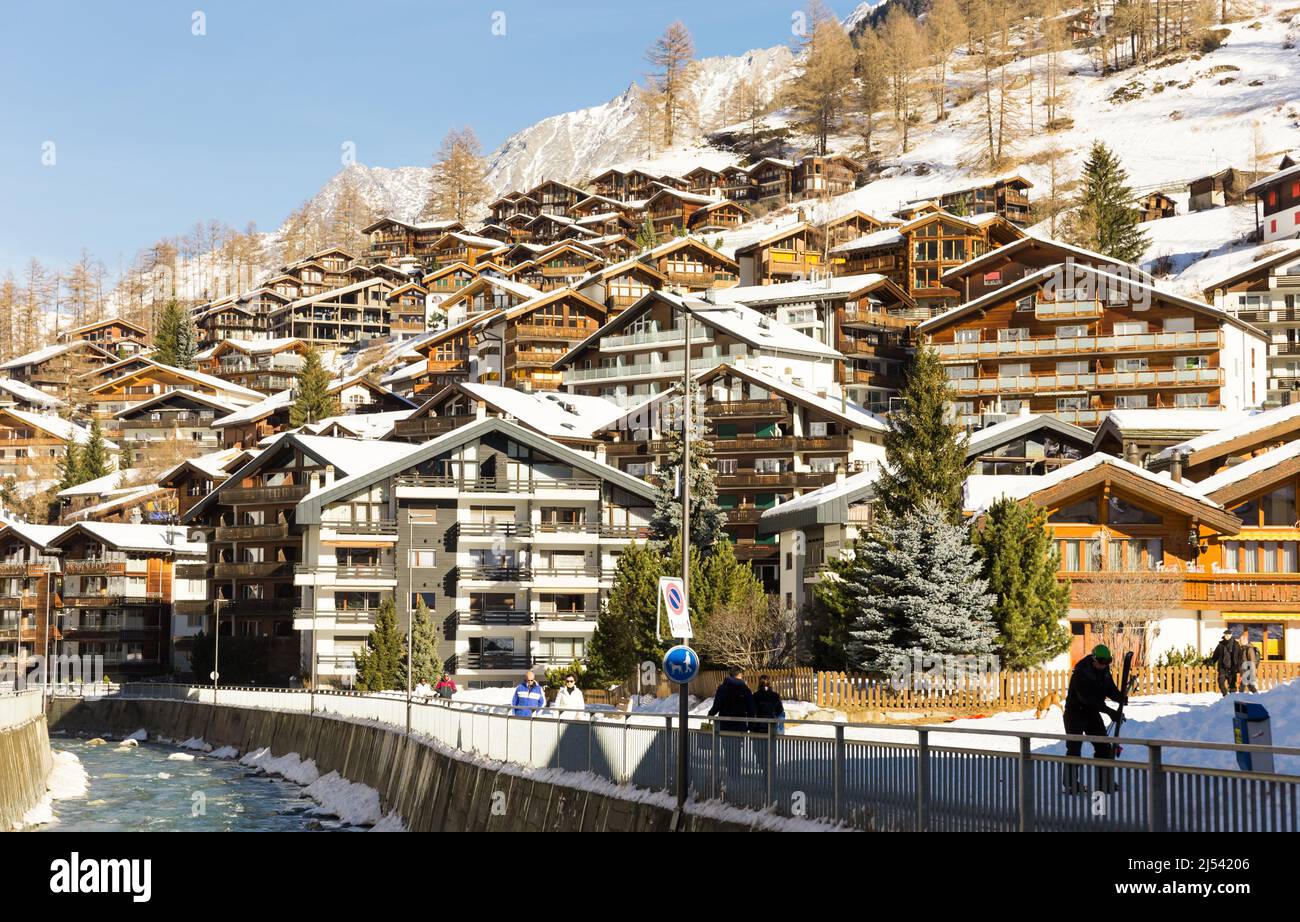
(329, 475)
(839, 473)
(600, 452)
(1176, 468)
(1131, 453)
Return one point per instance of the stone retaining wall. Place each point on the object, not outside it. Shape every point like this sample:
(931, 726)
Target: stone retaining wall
(25, 764)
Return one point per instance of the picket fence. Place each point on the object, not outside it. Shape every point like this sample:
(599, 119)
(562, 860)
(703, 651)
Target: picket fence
(1005, 690)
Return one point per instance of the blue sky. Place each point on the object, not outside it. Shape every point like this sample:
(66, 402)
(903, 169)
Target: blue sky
(155, 128)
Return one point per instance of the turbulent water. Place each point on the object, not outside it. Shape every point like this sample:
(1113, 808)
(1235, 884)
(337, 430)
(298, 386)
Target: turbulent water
(140, 789)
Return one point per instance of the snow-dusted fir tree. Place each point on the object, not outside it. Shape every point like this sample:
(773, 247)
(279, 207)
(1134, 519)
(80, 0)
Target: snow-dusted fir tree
(708, 522)
(917, 586)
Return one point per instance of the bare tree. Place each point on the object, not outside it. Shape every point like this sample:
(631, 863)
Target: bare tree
(1123, 606)
(944, 27)
(752, 633)
(903, 44)
(671, 56)
(458, 187)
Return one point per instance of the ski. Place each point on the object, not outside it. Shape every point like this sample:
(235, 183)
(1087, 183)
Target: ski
(1126, 680)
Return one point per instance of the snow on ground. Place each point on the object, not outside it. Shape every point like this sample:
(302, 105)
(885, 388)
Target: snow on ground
(225, 752)
(1181, 245)
(196, 743)
(139, 736)
(68, 779)
(353, 803)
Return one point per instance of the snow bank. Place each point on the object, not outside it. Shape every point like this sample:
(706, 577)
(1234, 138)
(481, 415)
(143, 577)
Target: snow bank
(225, 752)
(196, 743)
(495, 696)
(355, 804)
(139, 736)
(181, 757)
(290, 765)
(68, 779)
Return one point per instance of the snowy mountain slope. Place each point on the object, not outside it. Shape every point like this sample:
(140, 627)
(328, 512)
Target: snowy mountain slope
(1169, 122)
(575, 145)
(399, 192)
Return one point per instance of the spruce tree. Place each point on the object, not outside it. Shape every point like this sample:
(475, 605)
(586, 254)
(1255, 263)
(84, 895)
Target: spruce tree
(426, 665)
(720, 579)
(925, 456)
(625, 629)
(187, 342)
(1021, 564)
(167, 334)
(646, 238)
(313, 401)
(70, 467)
(917, 588)
(380, 665)
(1107, 220)
(708, 521)
(94, 461)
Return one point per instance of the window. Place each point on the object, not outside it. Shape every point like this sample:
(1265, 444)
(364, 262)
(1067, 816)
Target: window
(423, 558)
(1130, 401)
(1122, 512)
(1278, 507)
(1131, 328)
(430, 599)
(1013, 334)
(1082, 512)
(1191, 400)
(1131, 364)
(1268, 637)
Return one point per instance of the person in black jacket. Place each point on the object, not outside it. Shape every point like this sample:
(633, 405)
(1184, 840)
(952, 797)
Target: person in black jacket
(733, 699)
(1090, 686)
(767, 703)
(1227, 657)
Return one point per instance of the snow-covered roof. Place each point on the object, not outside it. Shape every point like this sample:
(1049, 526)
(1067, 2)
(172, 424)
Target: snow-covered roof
(852, 487)
(215, 403)
(557, 415)
(255, 411)
(1273, 178)
(214, 464)
(220, 385)
(1029, 485)
(1248, 468)
(38, 535)
(996, 434)
(57, 426)
(26, 393)
(46, 353)
(980, 491)
(1173, 419)
(112, 482)
(115, 500)
(845, 409)
(160, 539)
(886, 237)
(1251, 424)
(362, 425)
(804, 289)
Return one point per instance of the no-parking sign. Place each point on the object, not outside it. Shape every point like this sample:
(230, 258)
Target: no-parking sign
(672, 596)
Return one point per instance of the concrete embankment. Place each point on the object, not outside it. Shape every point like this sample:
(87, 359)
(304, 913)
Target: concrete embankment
(430, 789)
(25, 764)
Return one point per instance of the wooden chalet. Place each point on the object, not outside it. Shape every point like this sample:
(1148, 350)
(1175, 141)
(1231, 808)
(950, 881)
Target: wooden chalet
(113, 334)
(792, 253)
(692, 264)
(1155, 205)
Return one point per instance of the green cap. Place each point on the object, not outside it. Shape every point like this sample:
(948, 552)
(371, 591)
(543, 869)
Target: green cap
(1101, 652)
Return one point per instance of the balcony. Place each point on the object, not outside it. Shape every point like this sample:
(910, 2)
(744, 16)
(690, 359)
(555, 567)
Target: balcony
(653, 337)
(96, 567)
(264, 495)
(743, 408)
(362, 572)
(1196, 341)
(784, 443)
(789, 479)
(875, 320)
(363, 528)
(491, 617)
(275, 569)
(546, 331)
(499, 486)
(427, 427)
(492, 574)
(1067, 310)
(110, 598)
(1114, 380)
(645, 369)
(252, 533)
(489, 530)
(358, 617)
(514, 661)
(744, 515)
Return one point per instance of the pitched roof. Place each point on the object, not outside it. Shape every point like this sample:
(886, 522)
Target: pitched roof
(1273, 462)
(1219, 439)
(309, 509)
(991, 436)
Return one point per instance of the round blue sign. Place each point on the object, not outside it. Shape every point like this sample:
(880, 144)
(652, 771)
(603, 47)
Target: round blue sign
(681, 664)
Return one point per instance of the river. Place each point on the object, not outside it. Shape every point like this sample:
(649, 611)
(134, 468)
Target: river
(147, 788)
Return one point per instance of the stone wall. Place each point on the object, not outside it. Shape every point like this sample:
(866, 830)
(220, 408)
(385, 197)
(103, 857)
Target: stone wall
(25, 764)
(431, 790)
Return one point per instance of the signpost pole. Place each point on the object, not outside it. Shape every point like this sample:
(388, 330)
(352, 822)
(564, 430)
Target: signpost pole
(683, 692)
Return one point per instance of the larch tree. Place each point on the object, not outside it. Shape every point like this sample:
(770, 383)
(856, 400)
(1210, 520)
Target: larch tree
(671, 56)
(925, 454)
(903, 46)
(945, 26)
(1105, 219)
(819, 94)
(313, 400)
(10, 302)
(458, 187)
(917, 589)
(1021, 564)
(871, 89)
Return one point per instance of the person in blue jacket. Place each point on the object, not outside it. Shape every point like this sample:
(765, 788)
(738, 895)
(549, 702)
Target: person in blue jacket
(529, 697)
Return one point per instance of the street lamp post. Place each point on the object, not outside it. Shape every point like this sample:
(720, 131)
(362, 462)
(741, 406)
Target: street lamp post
(683, 689)
(216, 648)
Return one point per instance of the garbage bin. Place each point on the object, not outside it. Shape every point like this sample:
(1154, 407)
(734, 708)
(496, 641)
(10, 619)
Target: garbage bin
(1250, 725)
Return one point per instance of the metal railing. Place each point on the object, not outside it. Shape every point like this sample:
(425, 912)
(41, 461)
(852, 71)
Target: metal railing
(17, 708)
(869, 776)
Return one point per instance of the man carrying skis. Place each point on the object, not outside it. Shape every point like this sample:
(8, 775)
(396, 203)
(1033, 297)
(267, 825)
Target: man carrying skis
(1085, 702)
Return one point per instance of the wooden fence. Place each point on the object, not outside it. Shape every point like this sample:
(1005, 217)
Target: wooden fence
(996, 691)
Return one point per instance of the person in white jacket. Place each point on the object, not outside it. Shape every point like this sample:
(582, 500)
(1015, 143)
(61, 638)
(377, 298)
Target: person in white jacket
(569, 697)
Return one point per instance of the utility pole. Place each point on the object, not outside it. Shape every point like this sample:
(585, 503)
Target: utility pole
(683, 696)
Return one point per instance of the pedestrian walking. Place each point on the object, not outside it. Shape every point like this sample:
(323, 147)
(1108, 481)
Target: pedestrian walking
(767, 703)
(446, 686)
(1249, 664)
(733, 699)
(1227, 657)
(569, 697)
(529, 697)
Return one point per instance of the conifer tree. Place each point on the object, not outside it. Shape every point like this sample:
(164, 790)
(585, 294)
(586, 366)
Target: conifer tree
(167, 335)
(925, 457)
(917, 588)
(426, 665)
(1106, 220)
(69, 467)
(94, 461)
(708, 521)
(313, 400)
(646, 238)
(625, 630)
(380, 665)
(187, 342)
(1021, 564)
